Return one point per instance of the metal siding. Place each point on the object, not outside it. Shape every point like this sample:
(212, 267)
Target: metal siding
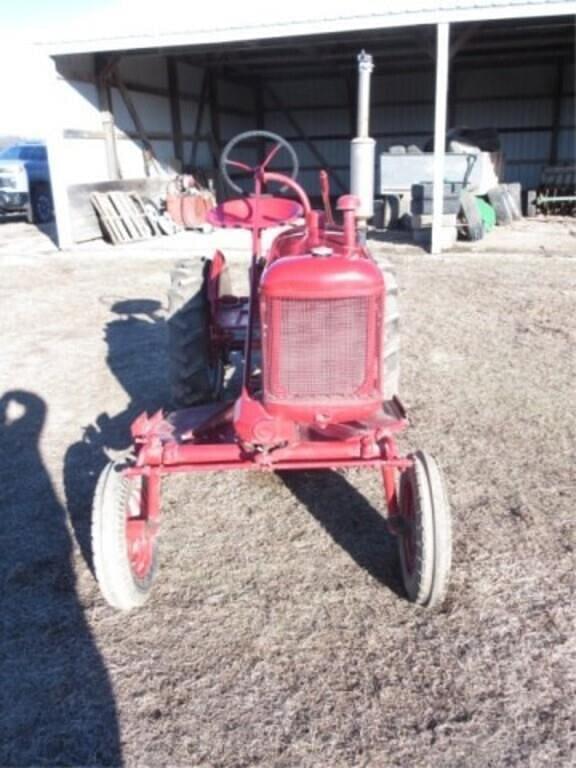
(527, 174)
(153, 111)
(78, 105)
(190, 77)
(230, 125)
(526, 146)
(403, 117)
(505, 114)
(77, 66)
(508, 80)
(567, 146)
(188, 113)
(308, 93)
(403, 87)
(568, 112)
(234, 95)
(336, 152)
(145, 70)
(203, 154)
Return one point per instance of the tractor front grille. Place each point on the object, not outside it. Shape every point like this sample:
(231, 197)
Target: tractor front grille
(317, 348)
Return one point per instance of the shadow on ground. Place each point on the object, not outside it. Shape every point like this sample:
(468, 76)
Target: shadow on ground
(56, 699)
(136, 339)
(351, 521)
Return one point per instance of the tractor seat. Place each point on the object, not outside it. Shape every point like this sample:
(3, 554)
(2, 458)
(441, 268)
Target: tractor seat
(259, 212)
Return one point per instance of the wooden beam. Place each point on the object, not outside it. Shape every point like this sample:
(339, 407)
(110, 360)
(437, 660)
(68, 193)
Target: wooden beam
(148, 151)
(302, 135)
(259, 116)
(199, 118)
(214, 116)
(175, 114)
(463, 38)
(102, 65)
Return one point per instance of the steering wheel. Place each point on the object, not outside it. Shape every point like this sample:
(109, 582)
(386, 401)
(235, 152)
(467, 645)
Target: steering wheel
(257, 169)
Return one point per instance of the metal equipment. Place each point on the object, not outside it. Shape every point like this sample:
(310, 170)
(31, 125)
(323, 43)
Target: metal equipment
(317, 391)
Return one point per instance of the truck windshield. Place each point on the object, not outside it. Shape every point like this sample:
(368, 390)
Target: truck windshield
(11, 153)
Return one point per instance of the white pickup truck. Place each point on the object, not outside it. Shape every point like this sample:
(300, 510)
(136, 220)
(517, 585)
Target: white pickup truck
(25, 182)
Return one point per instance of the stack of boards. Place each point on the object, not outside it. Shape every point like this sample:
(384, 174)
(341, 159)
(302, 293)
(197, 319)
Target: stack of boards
(126, 217)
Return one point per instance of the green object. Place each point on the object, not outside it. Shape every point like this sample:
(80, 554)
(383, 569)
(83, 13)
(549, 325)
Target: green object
(487, 213)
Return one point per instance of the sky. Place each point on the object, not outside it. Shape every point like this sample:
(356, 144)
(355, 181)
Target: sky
(24, 22)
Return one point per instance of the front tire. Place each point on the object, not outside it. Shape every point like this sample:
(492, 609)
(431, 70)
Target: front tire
(42, 206)
(425, 540)
(124, 539)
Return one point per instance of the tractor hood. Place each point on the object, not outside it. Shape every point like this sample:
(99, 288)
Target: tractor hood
(321, 275)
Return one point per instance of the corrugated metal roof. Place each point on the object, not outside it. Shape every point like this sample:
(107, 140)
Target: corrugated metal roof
(265, 20)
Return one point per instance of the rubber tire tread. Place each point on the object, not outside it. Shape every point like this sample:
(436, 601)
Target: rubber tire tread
(109, 546)
(428, 583)
(188, 341)
(38, 214)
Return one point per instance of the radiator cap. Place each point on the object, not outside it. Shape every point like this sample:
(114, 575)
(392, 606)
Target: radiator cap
(322, 251)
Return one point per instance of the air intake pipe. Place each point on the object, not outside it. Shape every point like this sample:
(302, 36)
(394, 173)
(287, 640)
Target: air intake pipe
(363, 148)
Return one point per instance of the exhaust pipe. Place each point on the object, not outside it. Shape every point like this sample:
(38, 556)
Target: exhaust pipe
(363, 148)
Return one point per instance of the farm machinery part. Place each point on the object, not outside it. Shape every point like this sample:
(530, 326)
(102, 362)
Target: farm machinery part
(317, 337)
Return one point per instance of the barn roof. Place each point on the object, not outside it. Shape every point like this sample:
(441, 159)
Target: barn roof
(211, 23)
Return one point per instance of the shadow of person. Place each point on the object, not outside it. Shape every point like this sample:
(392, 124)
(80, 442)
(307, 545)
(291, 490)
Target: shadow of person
(56, 699)
(351, 521)
(137, 356)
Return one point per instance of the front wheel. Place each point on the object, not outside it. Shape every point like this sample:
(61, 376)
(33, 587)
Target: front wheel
(42, 206)
(125, 536)
(425, 539)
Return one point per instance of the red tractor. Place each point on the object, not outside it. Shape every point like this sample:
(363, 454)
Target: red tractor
(317, 339)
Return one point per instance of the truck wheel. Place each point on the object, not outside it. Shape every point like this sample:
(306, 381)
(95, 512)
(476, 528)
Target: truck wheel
(196, 368)
(391, 333)
(425, 540)
(42, 207)
(124, 539)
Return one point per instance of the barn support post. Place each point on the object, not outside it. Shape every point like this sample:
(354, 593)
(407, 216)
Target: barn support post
(103, 65)
(57, 161)
(440, 111)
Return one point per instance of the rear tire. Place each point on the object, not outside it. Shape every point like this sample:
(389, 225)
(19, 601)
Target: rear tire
(426, 539)
(391, 333)
(196, 372)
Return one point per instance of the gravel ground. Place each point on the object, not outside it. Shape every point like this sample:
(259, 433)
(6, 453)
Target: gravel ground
(277, 634)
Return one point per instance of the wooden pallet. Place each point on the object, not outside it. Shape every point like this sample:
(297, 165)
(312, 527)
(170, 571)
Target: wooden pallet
(125, 217)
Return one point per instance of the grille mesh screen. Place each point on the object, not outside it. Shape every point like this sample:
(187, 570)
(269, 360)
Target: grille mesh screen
(317, 348)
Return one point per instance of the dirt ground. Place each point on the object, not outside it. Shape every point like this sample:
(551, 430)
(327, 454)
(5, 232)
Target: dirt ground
(278, 634)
